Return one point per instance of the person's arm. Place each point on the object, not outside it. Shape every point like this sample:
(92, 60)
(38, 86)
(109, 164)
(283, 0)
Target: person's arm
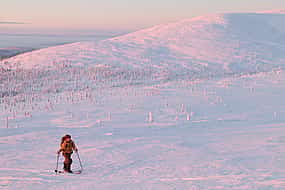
(74, 147)
(61, 148)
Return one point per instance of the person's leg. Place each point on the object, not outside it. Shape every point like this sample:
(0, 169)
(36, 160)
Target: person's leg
(65, 167)
(67, 162)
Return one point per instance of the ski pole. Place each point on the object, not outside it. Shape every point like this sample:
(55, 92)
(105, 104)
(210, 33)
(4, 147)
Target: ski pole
(56, 169)
(79, 161)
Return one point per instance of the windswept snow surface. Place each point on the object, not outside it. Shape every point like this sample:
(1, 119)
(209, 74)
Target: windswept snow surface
(197, 104)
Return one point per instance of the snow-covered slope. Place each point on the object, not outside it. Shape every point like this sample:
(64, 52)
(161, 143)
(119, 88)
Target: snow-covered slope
(138, 129)
(208, 45)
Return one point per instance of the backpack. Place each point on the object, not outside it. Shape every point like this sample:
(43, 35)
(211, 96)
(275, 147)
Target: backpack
(67, 147)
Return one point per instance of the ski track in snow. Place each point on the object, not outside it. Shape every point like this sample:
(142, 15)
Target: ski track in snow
(151, 126)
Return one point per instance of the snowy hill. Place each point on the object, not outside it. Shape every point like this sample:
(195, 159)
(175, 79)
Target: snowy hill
(136, 124)
(210, 45)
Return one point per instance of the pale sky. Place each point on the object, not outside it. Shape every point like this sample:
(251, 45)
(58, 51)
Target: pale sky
(88, 15)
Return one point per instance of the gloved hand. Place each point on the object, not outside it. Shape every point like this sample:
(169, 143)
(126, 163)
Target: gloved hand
(58, 152)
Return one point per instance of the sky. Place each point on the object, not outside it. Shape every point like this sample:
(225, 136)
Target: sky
(114, 15)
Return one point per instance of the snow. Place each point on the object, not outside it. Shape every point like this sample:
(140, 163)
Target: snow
(196, 104)
(212, 44)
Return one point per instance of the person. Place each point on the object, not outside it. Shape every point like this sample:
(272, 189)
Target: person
(67, 146)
